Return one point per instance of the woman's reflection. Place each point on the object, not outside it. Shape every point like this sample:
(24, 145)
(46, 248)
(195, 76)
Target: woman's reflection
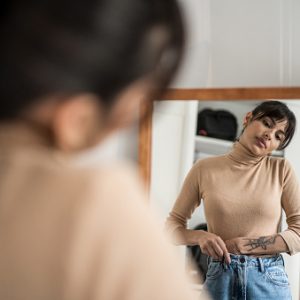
(244, 193)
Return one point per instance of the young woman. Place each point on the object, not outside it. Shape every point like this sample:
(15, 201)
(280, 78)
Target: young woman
(71, 72)
(243, 193)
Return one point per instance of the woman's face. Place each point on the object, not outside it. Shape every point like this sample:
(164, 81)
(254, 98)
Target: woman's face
(263, 136)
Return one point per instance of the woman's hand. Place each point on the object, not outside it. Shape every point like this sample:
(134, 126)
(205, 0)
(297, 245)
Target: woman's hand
(235, 246)
(212, 245)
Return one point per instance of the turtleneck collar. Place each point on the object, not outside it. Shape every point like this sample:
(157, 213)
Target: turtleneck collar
(243, 155)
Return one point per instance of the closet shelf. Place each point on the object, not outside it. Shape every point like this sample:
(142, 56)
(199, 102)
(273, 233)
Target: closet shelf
(213, 146)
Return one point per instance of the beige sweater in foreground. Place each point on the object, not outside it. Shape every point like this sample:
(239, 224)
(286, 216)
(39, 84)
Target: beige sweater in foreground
(243, 196)
(70, 233)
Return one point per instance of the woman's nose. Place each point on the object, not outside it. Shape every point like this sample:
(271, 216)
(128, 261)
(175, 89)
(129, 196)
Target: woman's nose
(267, 135)
(270, 134)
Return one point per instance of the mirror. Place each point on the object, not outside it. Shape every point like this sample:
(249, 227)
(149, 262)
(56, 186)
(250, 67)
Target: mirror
(245, 44)
(169, 145)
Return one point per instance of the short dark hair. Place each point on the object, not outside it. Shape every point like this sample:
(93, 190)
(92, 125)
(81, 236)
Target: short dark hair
(277, 111)
(73, 46)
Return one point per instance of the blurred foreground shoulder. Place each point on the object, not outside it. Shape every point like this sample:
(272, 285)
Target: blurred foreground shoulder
(121, 245)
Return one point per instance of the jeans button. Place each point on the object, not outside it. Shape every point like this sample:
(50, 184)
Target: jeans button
(242, 260)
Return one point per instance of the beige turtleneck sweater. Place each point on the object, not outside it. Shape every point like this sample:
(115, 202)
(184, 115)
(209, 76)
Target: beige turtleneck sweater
(243, 196)
(69, 233)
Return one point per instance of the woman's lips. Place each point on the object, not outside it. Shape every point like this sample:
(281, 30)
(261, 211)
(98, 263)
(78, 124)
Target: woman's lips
(261, 143)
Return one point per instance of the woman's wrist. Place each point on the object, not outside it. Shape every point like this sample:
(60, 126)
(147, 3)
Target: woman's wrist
(189, 237)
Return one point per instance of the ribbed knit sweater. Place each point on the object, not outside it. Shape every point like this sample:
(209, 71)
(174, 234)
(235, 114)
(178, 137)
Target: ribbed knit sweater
(243, 196)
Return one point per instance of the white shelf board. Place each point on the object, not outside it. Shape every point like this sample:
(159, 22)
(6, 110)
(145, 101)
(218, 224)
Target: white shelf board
(213, 146)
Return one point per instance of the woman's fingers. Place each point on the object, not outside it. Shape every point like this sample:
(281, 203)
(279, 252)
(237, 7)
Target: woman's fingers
(226, 254)
(213, 249)
(214, 246)
(218, 249)
(212, 253)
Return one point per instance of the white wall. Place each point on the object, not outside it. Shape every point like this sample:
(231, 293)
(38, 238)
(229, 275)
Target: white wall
(293, 42)
(194, 70)
(241, 43)
(292, 154)
(172, 146)
(245, 37)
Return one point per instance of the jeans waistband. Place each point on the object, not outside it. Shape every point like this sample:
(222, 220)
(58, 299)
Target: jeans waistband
(260, 262)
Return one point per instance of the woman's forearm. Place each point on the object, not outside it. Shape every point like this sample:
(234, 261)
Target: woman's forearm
(257, 246)
(265, 245)
(187, 237)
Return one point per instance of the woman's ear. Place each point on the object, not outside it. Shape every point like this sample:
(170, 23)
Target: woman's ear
(77, 123)
(247, 119)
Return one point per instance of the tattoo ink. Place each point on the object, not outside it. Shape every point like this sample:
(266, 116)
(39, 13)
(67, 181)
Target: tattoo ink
(261, 242)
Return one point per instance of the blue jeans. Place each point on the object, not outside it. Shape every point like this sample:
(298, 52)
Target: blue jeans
(248, 278)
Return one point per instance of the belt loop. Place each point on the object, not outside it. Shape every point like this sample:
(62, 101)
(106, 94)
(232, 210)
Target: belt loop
(224, 265)
(208, 260)
(261, 265)
(282, 259)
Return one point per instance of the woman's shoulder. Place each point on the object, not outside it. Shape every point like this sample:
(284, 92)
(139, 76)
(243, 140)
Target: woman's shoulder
(90, 185)
(280, 163)
(212, 161)
(118, 178)
(277, 160)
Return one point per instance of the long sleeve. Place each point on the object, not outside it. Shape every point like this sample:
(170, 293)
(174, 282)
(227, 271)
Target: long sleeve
(188, 200)
(291, 205)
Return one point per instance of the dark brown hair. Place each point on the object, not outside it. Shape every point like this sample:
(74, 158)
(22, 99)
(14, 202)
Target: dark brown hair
(74, 46)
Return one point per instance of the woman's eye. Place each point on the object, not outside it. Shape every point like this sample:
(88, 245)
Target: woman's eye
(266, 123)
(280, 137)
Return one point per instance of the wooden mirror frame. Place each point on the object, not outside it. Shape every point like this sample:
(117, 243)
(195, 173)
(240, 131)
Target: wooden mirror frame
(205, 94)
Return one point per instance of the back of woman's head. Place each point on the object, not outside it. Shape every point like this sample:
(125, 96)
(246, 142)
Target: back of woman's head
(51, 47)
(277, 111)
